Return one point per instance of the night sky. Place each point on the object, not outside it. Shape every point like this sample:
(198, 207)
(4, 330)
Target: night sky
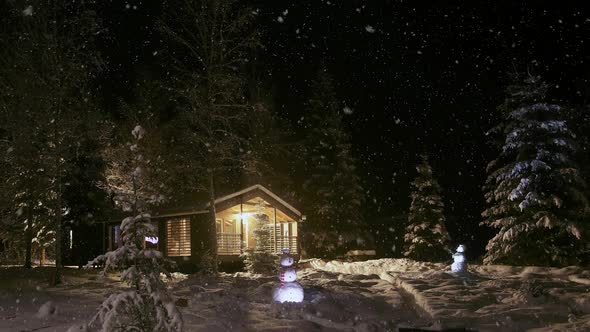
(417, 77)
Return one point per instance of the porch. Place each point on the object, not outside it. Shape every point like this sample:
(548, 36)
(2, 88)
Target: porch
(238, 216)
(236, 224)
(232, 244)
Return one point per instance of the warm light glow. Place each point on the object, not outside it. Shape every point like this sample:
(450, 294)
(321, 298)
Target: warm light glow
(244, 215)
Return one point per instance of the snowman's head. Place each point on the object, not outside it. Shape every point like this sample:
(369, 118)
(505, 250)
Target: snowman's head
(287, 260)
(461, 248)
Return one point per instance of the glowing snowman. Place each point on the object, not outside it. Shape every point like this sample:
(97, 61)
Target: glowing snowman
(459, 265)
(289, 290)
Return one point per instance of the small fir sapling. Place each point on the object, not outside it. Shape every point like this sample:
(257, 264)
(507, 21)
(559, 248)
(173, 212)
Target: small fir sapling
(207, 263)
(261, 260)
(426, 236)
(146, 305)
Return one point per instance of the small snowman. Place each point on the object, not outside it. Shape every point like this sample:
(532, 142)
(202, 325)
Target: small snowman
(459, 265)
(289, 290)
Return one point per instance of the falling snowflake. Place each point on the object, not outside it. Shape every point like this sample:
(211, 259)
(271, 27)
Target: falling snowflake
(347, 110)
(138, 132)
(28, 11)
(370, 29)
(280, 19)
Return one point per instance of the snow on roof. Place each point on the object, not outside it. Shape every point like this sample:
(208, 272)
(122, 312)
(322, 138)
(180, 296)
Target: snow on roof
(263, 189)
(180, 213)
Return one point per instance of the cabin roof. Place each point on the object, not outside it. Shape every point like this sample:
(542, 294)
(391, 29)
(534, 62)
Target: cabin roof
(264, 190)
(233, 198)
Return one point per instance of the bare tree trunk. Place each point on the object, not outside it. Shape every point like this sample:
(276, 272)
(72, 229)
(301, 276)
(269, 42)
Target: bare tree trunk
(29, 240)
(212, 225)
(42, 258)
(135, 213)
(58, 236)
(58, 206)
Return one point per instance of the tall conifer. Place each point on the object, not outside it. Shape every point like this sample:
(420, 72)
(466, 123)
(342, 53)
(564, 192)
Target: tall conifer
(534, 190)
(426, 236)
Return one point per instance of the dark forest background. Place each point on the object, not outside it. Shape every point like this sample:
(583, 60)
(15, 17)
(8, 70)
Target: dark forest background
(406, 78)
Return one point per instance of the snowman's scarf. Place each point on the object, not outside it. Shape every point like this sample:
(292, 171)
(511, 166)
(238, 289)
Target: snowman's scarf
(282, 278)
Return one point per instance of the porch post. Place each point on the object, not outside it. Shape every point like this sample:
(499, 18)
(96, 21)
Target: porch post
(290, 234)
(274, 230)
(298, 240)
(241, 224)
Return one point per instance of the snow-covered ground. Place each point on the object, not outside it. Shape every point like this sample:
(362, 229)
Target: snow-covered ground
(236, 302)
(376, 295)
(490, 297)
(28, 304)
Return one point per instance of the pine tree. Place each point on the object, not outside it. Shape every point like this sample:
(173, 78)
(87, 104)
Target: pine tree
(260, 259)
(332, 191)
(426, 237)
(579, 122)
(273, 152)
(146, 305)
(534, 189)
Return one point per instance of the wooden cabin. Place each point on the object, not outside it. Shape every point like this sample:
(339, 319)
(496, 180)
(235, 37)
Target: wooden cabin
(182, 233)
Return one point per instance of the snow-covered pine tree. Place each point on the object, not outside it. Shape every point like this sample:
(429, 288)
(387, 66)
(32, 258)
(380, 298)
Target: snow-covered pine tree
(579, 123)
(426, 237)
(534, 189)
(146, 305)
(260, 259)
(332, 191)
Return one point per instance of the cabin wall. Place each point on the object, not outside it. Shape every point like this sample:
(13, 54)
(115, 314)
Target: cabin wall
(200, 227)
(199, 242)
(162, 241)
(282, 221)
(81, 243)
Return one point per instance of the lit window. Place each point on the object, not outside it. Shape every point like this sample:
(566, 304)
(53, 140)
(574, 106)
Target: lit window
(178, 237)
